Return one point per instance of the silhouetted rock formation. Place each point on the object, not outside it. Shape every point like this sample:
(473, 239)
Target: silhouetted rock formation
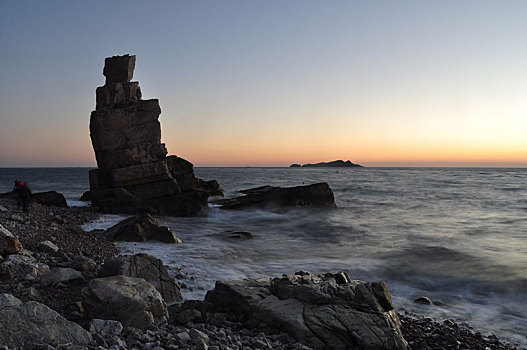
(333, 164)
(135, 174)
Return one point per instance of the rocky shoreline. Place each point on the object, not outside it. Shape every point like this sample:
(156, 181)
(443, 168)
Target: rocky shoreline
(67, 246)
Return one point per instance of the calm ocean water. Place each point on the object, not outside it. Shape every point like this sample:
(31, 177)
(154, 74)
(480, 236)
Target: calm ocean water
(457, 236)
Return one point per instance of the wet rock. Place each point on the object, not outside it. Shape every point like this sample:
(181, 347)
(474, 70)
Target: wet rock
(9, 244)
(212, 187)
(141, 229)
(235, 235)
(48, 246)
(269, 197)
(328, 310)
(423, 300)
(132, 301)
(147, 267)
(60, 275)
(25, 324)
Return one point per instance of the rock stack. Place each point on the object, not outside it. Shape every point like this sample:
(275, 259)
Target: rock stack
(134, 173)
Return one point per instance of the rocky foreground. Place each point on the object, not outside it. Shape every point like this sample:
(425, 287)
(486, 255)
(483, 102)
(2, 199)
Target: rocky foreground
(64, 288)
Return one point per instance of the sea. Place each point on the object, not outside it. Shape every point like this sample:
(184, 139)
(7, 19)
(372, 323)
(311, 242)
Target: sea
(455, 235)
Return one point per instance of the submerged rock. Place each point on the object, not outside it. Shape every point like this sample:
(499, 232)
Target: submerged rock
(141, 229)
(23, 325)
(147, 267)
(315, 195)
(323, 311)
(134, 174)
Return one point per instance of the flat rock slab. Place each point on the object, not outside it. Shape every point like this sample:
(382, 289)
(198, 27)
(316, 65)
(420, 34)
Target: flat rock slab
(269, 197)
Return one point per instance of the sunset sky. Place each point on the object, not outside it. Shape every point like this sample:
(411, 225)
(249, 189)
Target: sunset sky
(270, 83)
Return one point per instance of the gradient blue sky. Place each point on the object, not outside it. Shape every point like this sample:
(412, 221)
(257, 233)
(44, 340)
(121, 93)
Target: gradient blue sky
(274, 82)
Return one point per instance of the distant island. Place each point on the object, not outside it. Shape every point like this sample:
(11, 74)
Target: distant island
(333, 164)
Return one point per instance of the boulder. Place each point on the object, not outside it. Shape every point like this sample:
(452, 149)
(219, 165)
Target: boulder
(324, 311)
(141, 229)
(83, 264)
(9, 244)
(22, 325)
(106, 328)
(132, 301)
(147, 267)
(60, 275)
(51, 198)
(134, 174)
(22, 267)
(315, 195)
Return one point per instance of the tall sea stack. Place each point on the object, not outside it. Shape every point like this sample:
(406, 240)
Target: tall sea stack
(134, 173)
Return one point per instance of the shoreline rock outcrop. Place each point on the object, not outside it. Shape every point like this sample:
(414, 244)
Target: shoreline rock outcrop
(326, 311)
(134, 173)
(270, 197)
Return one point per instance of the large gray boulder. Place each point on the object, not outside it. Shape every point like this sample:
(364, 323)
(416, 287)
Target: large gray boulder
(324, 311)
(147, 267)
(132, 301)
(141, 229)
(269, 197)
(22, 267)
(22, 325)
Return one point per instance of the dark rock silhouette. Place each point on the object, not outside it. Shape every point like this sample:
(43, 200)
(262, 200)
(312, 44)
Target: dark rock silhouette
(134, 173)
(315, 195)
(333, 164)
(49, 198)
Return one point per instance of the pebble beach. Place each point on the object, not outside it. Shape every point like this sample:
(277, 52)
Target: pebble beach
(88, 251)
